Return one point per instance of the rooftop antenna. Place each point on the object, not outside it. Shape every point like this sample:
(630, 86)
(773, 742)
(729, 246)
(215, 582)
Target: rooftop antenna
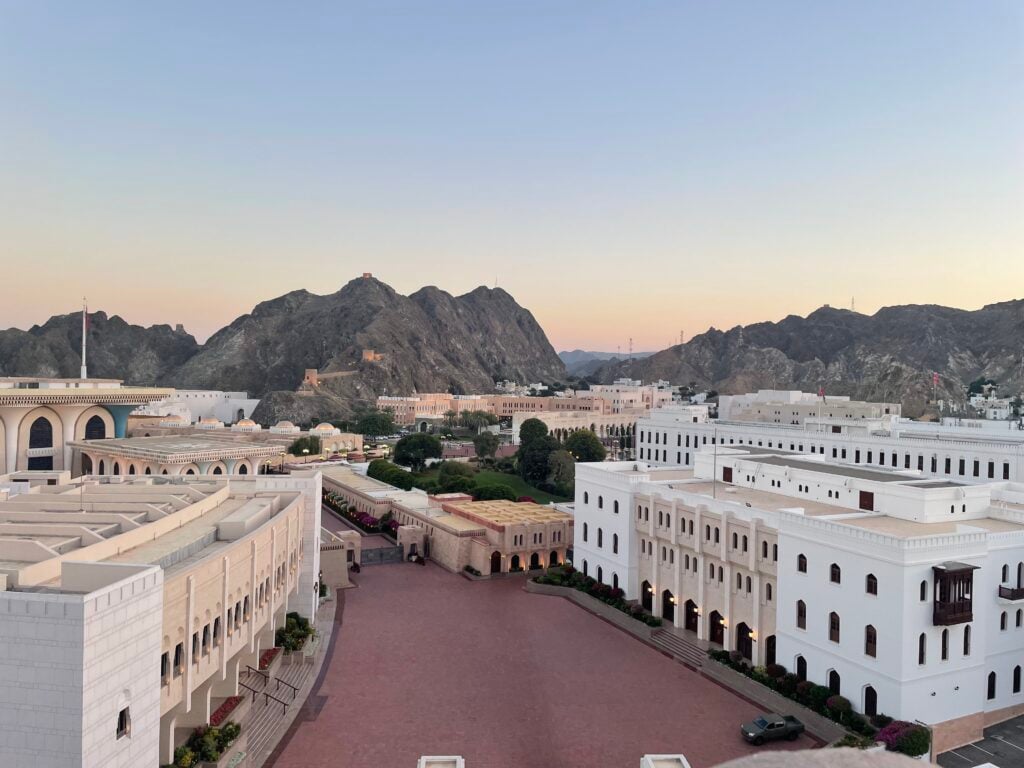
(630, 349)
(85, 331)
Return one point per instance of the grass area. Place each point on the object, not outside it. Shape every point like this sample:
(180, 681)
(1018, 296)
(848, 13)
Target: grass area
(519, 486)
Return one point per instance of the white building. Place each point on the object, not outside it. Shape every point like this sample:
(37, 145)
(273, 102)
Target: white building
(902, 593)
(626, 395)
(668, 437)
(776, 406)
(129, 608)
(195, 405)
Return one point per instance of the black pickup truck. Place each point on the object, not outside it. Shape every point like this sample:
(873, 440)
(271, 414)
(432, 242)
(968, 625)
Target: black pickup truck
(770, 728)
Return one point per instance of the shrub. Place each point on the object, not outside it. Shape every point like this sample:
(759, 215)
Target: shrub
(838, 706)
(803, 691)
(818, 696)
(858, 724)
(880, 721)
(184, 757)
(736, 657)
(491, 491)
(906, 738)
(775, 671)
(529, 499)
(472, 570)
(857, 742)
(788, 684)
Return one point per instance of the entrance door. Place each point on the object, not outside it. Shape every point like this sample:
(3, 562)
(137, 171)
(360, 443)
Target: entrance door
(726, 474)
(801, 668)
(867, 501)
(553, 561)
(769, 649)
(743, 642)
(534, 561)
(495, 562)
(870, 701)
(514, 564)
(716, 632)
(690, 616)
(646, 600)
(668, 607)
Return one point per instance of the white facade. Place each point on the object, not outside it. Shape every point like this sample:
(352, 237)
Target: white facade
(197, 404)
(953, 451)
(793, 407)
(847, 576)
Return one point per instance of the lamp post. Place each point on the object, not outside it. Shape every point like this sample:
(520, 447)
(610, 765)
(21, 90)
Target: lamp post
(305, 455)
(282, 455)
(266, 467)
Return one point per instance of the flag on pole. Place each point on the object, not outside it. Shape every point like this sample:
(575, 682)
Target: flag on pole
(935, 378)
(821, 392)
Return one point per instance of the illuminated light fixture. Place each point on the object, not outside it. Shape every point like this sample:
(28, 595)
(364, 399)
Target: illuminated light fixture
(723, 622)
(651, 590)
(752, 634)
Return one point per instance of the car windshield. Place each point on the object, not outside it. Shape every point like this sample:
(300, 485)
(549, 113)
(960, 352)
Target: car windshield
(761, 722)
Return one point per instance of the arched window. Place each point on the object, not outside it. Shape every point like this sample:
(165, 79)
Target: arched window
(600, 538)
(944, 646)
(735, 541)
(600, 575)
(833, 627)
(720, 574)
(711, 572)
(764, 550)
(775, 553)
(1005, 577)
(1020, 616)
(707, 533)
(668, 519)
(801, 563)
(922, 648)
(243, 469)
(117, 468)
(1016, 679)
(716, 535)
(95, 429)
(871, 584)
(748, 585)
(924, 591)
(584, 567)
(585, 530)
(615, 581)
(870, 641)
(1002, 621)
(615, 507)
(991, 685)
(768, 592)
(600, 502)
(40, 434)
(835, 574)
(739, 582)
(967, 640)
(586, 497)
(801, 614)
(615, 543)
(131, 469)
(744, 543)
(664, 555)
(639, 512)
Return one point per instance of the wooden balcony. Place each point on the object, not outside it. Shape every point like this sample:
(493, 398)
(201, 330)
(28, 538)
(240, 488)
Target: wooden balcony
(1011, 593)
(945, 614)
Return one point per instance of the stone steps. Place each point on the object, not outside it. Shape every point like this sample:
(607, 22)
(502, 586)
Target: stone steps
(266, 715)
(679, 647)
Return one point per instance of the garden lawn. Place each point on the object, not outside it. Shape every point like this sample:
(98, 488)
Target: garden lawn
(491, 477)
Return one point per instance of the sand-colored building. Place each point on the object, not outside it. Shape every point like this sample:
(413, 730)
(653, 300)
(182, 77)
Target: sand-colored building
(196, 454)
(131, 606)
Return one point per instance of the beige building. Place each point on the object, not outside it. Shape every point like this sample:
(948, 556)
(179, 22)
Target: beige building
(455, 531)
(197, 454)
(794, 407)
(40, 418)
(153, 594)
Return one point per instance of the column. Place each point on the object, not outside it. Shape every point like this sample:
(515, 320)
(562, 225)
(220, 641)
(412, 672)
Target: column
(11, 418)
(120, 414)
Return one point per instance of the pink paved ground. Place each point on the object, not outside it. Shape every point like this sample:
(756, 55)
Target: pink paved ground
(427, 662)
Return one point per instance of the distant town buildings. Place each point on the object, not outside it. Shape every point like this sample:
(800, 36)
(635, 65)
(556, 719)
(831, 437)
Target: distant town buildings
(194, 405)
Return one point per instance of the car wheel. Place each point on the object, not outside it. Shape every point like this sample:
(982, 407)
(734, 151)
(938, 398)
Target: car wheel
(758, 741)
(793, 736)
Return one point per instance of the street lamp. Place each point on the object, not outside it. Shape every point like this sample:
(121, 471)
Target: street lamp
(282, 455)
(266, 467)
(305, 455)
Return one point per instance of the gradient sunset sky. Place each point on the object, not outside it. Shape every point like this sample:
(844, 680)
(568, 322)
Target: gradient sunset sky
(623, 169)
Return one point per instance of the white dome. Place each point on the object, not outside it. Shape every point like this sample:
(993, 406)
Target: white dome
(246, 423)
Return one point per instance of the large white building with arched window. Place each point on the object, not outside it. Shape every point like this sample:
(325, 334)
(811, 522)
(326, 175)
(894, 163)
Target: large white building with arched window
(40, 418)
(901, 592)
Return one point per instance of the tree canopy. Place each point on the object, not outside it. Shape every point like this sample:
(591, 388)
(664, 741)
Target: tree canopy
(532, 429)
(486, 445)
(309, 442)
(376, 422)
(584, 445)
(414, 450)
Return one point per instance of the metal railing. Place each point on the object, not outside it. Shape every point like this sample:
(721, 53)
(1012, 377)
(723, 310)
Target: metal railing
(264, 675)
(295, 688)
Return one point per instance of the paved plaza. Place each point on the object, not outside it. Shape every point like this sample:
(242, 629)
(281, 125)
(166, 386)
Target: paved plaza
(427, 662)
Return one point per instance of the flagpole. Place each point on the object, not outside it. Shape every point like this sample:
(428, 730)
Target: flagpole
(85, 322)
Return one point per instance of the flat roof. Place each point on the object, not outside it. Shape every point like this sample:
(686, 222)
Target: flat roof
(879, 475)
(500, 513)
(178, 449)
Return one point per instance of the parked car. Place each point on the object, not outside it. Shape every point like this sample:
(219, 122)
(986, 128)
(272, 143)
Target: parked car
(771, 727)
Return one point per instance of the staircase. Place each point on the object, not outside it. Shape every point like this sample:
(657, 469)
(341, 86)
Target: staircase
(679, 647)
(264, 719)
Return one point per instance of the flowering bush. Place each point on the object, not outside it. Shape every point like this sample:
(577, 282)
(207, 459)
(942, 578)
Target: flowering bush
(221, 713)
(268, 656)
(526, 498)
(905, 738)
(839, 705)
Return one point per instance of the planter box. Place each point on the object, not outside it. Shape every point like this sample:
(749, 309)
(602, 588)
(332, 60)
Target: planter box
(241, 710)
(228, 756)
(272, 667)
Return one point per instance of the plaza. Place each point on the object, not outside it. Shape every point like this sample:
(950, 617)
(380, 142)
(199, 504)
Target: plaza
(426, 662)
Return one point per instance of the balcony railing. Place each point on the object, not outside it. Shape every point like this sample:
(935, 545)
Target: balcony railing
(945, 614)
(1011, 593)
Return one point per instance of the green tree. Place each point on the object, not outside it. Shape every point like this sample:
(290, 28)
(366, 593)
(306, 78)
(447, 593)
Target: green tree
(486, 445)
(376, 422)
(1018, 406)
(477, 420)
(493, 491)
(533, 459)
(585, 446)
(455, 477)
(310, 442)
(532, 429)
(414, 450)
(562, 469)
(450, 420)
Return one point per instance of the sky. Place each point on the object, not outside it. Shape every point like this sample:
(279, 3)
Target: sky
(624, 169)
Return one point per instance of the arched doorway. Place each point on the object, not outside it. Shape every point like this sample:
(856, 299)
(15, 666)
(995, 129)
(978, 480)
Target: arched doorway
(95, 429)
(243, 469)
(148, 471)
(769, 649)
(514, 564)
(534, 561)
(744, 643)
(716, 629)
(801, 668)
(131, 469)
(495, 562)
(423, 426)
(103, 467)
(646, 599)
(553, 559)
(40, 435)
(833, 682)
(690, 616)
(870, 701)
(240, 415)
(86, 465)
(668, 606)
(117, 468)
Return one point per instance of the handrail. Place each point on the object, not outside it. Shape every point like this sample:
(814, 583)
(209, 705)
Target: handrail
(268, 696)
(294, 688)
(254, 691)
(266, 676)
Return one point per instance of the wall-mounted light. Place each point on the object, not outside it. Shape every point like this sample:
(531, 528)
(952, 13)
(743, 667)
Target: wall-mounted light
(723, 622)
(651, 590)
(752, 634)
(697, 611)
(673, 600)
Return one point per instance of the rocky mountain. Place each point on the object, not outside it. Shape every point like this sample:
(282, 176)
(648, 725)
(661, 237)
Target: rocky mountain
(581, 362)
(365, 339)
(117, 350)
(886, 356)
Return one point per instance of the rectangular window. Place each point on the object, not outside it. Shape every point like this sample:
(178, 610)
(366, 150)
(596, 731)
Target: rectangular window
(165, 668)
(977, 467)
(991, 470)
(216, 631)
(179, 658)
(1006, 470)
(962, 465)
